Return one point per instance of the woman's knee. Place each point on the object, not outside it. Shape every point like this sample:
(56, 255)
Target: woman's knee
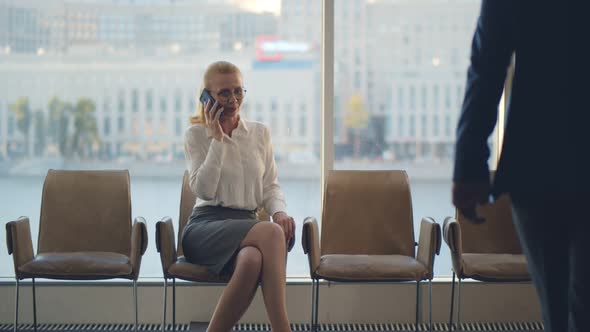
(249, 258)
(272, 233)
(265, 233)
(277, 233)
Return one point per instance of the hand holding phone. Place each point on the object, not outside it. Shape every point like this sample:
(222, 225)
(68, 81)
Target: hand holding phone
(207, 97)
(213, 112)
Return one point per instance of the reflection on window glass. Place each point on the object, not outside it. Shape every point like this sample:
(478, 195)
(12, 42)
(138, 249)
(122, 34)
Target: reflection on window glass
(177, 101)
(424, 97)
(121, 124)
(118, 60)
(415, 65)
(435, 126)
(107, 126)
(121, 102)
(190, 105)
(106, 106)
(412, 98)
(149, 99)
(163, 104)
(447, 97)
(435, 97)
(135, 101)
(302, 126)
(448, 125)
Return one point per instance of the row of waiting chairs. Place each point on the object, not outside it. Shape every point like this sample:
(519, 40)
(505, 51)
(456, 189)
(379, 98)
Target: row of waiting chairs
(86, 233)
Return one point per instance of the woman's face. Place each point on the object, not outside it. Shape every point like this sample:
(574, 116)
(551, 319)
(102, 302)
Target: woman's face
(227, 90)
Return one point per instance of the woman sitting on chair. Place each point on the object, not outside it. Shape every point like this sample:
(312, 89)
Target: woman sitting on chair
(232, 172)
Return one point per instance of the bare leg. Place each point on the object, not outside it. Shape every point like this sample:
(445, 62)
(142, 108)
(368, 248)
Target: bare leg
(239, 292)
(269, 238)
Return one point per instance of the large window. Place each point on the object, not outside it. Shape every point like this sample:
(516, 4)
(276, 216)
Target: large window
(139, 78)
(399, 74)
(409, 60)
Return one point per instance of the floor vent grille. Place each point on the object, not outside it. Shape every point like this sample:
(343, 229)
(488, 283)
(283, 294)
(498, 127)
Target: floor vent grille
(338, 327)
(353, 327)
(93, 327)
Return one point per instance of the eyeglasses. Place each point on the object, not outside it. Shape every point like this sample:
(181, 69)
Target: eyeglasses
(225, 95)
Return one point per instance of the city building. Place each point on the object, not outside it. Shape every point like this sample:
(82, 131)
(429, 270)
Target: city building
(402, 61)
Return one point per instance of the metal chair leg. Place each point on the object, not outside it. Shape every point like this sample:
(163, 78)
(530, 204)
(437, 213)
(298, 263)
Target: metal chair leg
(34, 307)
(430, 305)
(317, 304)
(173, 304)
(165, 299)
(452, 303)
(459, 306)
(311, 328)
(17, 288)
(135, 304)
(417, 305)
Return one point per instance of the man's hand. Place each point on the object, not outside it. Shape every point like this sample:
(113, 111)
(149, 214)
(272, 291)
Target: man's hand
(286, 222)
(467, 195)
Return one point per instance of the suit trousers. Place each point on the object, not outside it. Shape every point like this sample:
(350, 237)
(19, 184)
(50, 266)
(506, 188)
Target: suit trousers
(554, 231)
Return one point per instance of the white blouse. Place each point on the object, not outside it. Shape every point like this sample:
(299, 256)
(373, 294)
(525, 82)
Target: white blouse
(237, 172)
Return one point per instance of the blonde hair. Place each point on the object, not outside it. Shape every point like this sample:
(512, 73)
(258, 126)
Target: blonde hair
(218, 67)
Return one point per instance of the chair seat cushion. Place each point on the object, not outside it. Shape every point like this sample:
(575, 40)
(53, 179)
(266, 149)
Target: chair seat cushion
(78, 265)
(188, 271)
(495, 267)
(370, 268)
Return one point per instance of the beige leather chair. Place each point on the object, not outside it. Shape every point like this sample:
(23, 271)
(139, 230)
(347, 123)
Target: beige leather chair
(368, 234)
(489, 251)
(174, 265)
(85, 232)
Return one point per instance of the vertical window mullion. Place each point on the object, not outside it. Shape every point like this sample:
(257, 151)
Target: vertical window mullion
(327, 97)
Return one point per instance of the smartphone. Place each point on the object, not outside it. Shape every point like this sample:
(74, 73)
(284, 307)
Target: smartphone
(205, 97)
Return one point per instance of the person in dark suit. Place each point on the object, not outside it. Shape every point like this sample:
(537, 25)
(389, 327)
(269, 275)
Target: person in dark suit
(540, 165)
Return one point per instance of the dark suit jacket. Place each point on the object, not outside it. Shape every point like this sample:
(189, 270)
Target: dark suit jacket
(542, 146)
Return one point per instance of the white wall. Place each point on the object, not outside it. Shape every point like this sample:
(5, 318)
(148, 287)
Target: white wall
(339, 303)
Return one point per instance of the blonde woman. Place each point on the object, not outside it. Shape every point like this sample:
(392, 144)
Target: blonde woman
(233, 172)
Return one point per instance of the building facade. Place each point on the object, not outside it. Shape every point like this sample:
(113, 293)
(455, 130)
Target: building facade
(141, 64)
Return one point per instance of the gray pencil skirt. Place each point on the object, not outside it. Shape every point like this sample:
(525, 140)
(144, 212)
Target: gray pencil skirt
(213, 235)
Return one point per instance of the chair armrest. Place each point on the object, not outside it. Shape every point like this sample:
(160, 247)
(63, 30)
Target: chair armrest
(452, 236)
(428, 244)
(310, 240)
(19, 243)
(291, 243)
(139, 242)
(165, 243)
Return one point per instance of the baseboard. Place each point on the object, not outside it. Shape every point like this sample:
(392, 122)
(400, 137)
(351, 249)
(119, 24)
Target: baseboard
(89, 303)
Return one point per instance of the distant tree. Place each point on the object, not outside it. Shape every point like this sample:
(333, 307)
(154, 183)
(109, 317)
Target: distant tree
(22, 112)
(85, 126)
(356, 118)
(40, 133)
(59, 113)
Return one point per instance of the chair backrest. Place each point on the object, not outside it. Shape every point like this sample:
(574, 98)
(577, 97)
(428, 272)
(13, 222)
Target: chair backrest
(497, 235)
(85, 211)
(187, 203)
(367, 212)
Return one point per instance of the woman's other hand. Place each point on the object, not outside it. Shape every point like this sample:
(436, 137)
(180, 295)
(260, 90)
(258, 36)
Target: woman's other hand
(212, 120)
(286, 222)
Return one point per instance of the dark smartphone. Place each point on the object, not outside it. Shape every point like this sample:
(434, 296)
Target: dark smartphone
(205, 97)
